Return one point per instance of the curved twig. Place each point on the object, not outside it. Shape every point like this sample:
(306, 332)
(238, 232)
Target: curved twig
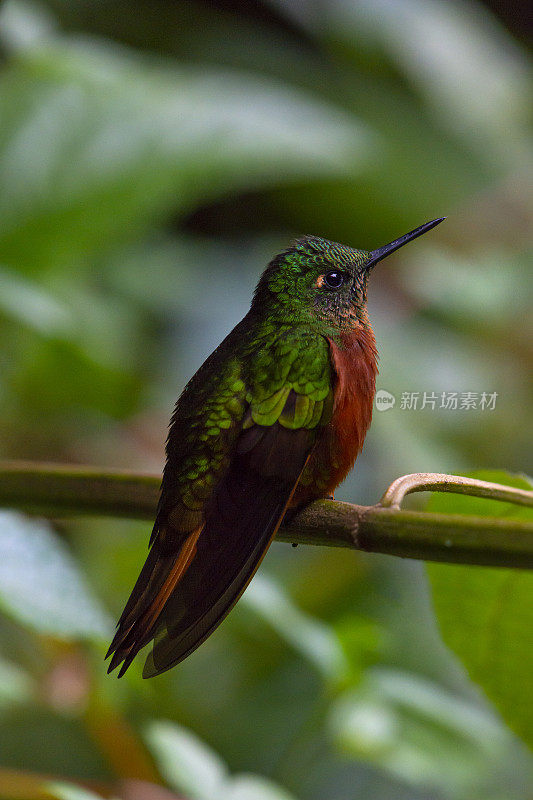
(437, 482)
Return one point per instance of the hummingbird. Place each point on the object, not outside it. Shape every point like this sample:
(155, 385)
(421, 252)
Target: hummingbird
(273, 419)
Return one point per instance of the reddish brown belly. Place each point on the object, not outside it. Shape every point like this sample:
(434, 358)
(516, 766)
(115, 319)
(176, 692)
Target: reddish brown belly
(355, 364)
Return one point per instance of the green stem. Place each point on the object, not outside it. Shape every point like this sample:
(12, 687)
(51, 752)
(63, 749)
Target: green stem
(59, 491)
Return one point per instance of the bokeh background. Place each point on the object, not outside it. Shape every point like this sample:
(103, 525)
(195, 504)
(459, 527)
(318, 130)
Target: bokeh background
(153, 157)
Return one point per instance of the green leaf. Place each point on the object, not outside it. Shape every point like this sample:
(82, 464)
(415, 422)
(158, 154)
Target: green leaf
(313, 639)
(94, 146)
(470, 72)
(420, 733)
(16, 686)
(28, 303)
(250, 787)
(187, 764)
(193, 768)
(40, 583)
(68, 791)
(24, 24)
(486, 615)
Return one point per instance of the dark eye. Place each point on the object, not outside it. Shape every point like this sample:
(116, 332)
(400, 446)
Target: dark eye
(334, 279)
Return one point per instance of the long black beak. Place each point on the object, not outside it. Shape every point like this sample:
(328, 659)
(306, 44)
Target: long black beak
(387, 249)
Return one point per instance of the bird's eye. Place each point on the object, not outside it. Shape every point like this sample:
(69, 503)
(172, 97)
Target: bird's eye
(334, 279)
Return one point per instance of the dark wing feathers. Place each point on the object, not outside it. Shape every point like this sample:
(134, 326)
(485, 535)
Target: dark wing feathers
(205, 551)
(241, 521)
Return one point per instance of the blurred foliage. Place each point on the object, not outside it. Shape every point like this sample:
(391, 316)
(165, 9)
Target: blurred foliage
(486, 615)
(153, 157)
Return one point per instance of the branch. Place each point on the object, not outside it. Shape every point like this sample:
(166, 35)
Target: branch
(63, 491)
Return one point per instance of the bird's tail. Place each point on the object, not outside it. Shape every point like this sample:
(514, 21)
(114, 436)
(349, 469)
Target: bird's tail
(158, 579)
(181, 596)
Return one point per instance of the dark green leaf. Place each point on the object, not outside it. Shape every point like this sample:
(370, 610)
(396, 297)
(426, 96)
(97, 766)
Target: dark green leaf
(486, 615)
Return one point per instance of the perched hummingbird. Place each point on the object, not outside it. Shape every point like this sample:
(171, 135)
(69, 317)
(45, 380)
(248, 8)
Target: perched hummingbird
(273, 419)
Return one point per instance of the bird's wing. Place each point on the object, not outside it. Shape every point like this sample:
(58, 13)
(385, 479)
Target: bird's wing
(210, 538)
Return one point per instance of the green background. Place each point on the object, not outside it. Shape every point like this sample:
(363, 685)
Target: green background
(153, 157)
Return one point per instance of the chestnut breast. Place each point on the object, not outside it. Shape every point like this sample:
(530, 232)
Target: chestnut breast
(354, 360)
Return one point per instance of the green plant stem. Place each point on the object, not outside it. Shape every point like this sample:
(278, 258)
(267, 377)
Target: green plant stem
(57, 490)
(62, 491)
